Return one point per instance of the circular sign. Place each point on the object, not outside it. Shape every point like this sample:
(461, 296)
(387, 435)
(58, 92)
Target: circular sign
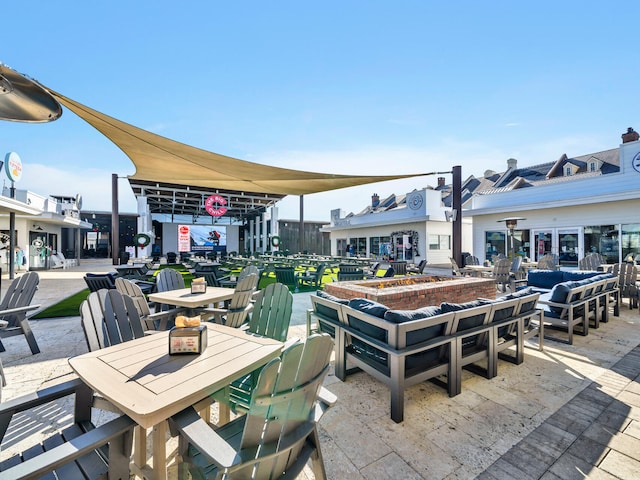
(214, 205)
(184, 230)
(635, 162)
(13, 166)
(415, 202)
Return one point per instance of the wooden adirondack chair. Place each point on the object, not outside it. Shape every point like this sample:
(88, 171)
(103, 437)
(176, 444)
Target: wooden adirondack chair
(133, 290)
(108, 318)
(77, 452)
(313, 278)
(166, 280)
(246, 271)
(287, 276)
(239, 307)
(210, 278)
(502, 274)
(169, 279)
(455, 270)
(98, 281)
(627, 274)
(278, 435)
(14, 308)
(270, 318)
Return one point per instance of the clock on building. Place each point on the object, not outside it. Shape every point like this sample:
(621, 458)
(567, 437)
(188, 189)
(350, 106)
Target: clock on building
(415, 202)
(635, 162)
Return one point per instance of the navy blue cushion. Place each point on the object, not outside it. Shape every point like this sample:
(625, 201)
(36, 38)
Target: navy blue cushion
(401, 316)
(328, 296)
(368, 306)
(447, 307)
(544, 278)
(578, 274)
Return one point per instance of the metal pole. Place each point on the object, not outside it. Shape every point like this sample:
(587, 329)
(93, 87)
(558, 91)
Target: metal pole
(301, 225)
(457, 207)
(12, 235)
(115, 221)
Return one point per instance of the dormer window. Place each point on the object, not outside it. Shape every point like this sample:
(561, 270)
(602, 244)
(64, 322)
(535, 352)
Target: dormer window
(594, 164)
(569, 169)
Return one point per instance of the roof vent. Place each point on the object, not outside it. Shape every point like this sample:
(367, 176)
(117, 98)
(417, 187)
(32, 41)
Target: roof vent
(512, 164)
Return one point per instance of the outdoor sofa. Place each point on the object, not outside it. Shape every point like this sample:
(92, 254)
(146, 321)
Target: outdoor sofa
(405, 347)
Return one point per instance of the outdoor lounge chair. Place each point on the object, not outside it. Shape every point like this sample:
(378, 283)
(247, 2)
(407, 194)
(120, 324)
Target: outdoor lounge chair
(270, 318)
(76, 452)
(278, 435)
(287, 276)
(14, 308)
(236, 314)
(313, 278)
(109, 318)
(98, 281)
(248, 270)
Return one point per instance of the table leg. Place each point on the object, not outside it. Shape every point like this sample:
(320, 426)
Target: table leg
(140, 448)
(160, 451)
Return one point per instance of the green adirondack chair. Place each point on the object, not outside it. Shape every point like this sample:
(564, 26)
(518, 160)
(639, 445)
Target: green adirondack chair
(278, 435)
(270, 318)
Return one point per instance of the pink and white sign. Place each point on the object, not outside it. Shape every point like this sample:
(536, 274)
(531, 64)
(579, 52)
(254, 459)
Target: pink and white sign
(184, 238)
(215, 205)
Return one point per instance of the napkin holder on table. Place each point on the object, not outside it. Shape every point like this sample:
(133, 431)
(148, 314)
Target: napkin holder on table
(187, 340)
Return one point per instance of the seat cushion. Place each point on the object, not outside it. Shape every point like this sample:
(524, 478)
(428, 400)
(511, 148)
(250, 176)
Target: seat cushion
(544, 278)
(368, 306)
(401, 316)
(328, 296)
(447, 307)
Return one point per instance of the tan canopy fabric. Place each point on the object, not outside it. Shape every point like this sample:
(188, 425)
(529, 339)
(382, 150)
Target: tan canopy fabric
(159, 159)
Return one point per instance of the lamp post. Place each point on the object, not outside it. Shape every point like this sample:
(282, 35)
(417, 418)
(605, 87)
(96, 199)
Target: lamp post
(511, 223)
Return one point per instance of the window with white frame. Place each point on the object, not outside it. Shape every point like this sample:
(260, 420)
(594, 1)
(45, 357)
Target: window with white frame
(439, 242)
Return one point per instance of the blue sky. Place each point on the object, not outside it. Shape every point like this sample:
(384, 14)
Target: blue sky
(350, 87)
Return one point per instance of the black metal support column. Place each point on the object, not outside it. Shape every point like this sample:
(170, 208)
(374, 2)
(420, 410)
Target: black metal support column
(301, 226)
(115, 221)
(456, 205)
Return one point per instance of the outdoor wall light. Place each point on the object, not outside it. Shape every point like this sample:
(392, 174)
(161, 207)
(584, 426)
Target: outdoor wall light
(450, 215)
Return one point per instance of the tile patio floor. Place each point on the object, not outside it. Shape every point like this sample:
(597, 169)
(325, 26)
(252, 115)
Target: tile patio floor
(572, 411)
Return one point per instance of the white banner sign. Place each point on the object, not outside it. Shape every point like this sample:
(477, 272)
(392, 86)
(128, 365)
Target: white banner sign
(184, 238)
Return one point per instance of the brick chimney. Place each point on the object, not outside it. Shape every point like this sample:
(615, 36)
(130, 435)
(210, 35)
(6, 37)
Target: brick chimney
(441, 182)
(375, 200)
(512, 164)
(630, 136)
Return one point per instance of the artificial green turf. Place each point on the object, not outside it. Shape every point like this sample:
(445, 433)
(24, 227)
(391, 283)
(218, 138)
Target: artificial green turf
(69, 307)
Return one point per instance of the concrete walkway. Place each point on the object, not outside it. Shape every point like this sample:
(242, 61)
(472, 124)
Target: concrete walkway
(572, 411)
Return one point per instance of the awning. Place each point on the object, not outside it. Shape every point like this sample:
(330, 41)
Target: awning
(160, 159)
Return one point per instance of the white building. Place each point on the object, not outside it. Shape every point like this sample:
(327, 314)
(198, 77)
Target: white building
(407, 227)
(43, 225)
(569, 207)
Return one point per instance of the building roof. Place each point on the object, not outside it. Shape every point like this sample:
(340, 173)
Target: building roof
(607, 161)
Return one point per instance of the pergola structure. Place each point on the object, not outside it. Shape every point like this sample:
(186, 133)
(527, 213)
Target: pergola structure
(175, 177)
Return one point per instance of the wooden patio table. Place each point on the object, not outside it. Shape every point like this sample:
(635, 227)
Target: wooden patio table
(149, 385)
(184, 298)
(476, 270)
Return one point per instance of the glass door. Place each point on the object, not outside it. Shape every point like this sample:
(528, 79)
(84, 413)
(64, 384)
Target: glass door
(542, 243)
(569, 247)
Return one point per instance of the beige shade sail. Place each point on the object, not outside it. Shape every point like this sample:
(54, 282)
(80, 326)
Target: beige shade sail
(160, 159)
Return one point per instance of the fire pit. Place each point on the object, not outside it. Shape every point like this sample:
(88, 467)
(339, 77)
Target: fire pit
(408, 293)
